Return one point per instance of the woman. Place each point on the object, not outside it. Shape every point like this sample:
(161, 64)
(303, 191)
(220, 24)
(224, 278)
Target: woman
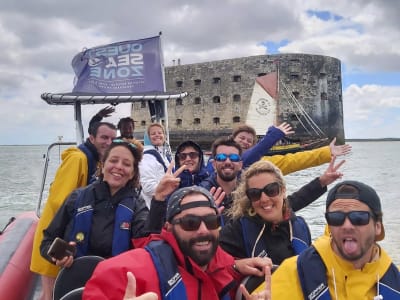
(263, 222)
(156, 158)
(102, 218)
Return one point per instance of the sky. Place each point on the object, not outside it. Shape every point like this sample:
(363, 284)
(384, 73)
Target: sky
(38, 40)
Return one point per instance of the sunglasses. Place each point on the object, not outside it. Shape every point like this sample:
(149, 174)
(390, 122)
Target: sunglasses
(232, 157)
(271, 190)
(192, 155)
(192, 222)
(120, 141)
(357, 218)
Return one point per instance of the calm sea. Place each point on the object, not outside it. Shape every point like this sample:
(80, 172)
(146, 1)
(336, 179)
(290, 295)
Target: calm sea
(375, 163)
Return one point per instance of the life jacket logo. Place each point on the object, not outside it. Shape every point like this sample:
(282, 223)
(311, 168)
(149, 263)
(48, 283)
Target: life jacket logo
(84, 208)
(174, 279)
(125, 226)
(318, 291)
(80, 237)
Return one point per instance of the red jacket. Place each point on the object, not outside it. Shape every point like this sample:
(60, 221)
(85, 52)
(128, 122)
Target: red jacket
(109, 279)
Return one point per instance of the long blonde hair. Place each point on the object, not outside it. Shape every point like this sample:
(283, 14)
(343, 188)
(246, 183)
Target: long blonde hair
(241, 203)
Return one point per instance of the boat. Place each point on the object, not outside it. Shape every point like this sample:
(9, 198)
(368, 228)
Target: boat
(268, 91)
(16, 279)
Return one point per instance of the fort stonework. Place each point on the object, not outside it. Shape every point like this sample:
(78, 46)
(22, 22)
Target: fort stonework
(258, 90)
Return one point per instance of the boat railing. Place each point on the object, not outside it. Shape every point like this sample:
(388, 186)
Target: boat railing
(45, 168)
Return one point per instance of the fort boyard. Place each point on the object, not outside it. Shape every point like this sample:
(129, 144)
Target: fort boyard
(302, 89)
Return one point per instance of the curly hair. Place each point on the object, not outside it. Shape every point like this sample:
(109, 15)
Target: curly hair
(241, 203)
(137, 154)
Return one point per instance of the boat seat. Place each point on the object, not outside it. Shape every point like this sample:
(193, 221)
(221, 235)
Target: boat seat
(75, 277)
(75, 294)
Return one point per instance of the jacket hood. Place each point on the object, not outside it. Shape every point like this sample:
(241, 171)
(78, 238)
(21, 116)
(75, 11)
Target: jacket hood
(195, 146)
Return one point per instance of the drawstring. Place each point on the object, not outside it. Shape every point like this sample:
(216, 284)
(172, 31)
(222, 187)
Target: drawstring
(334, 283)
(377, 297)
(258, 238)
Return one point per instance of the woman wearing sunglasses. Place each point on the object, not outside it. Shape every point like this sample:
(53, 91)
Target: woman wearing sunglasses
(263, 222)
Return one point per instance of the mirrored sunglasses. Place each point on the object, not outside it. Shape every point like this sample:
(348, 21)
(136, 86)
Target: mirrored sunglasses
(192, 222)
(271, 190)
(357, 218)
(192, 155)
(223, 157)
(121, 141)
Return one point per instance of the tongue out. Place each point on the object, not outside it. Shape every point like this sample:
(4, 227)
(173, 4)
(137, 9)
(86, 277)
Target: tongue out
(349, 246)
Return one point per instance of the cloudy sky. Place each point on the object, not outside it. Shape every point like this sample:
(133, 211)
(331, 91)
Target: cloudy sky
(38, 40)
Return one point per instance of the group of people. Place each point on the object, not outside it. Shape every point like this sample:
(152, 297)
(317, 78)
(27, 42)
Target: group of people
(177, 228)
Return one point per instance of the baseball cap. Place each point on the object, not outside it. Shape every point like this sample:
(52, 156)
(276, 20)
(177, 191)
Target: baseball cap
(174, 202)
(365, 194)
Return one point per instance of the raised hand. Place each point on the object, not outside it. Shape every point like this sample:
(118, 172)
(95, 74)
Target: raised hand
(286, 128)
(130, 290)
(265, 293)
(340, 149)
(106, 111)
(219, 195)
(169, 182)
(331, 174)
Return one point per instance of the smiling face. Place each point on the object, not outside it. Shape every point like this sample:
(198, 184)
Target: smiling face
(353, 242)
(268, 208)
(103, 139)
(118, 168)
(156, 135)
(244, 139)
(227, 170)
(189, 157)
(201, 244)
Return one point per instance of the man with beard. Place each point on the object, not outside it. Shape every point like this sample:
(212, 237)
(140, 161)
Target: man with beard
(183, 262)
(349, 264)
(227, 164)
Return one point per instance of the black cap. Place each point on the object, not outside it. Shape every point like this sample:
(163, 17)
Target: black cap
(174, 202)
(366, 194)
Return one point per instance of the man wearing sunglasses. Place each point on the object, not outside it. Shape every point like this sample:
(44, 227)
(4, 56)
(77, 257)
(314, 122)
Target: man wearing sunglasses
(349, 264)
(227, 164)
(189, 153)
(183, 262)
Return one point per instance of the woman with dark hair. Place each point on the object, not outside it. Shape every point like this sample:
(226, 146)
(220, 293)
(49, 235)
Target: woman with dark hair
(102, 218)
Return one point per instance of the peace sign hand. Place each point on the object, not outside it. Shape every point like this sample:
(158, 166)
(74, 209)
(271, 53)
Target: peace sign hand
(263, 294)
(168, 183)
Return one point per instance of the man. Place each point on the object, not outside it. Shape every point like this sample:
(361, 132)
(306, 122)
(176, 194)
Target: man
(183, 262)
(77, 169)
(189, 153)
(126, 127)
(349, 264)
(227, 164)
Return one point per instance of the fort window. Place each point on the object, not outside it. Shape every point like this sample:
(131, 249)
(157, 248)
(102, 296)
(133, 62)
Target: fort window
(261, 74)
(196, 121)
(216, 80)
(216, 99)
(236, 119)
(236, 98)
(179, 122)
(179, 83)
(143, 123)
(294, 76)
(237, 78)
(179, 101)
(296, 94)
(197, 100)
(216, 120)
(197, 82)
(324, 96)
(142, 104)
(292, 117)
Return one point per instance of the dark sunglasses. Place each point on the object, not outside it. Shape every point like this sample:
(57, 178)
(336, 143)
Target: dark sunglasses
(192, 222)
(192, 155)
(232, 157)
(357, 218)
(271, 190)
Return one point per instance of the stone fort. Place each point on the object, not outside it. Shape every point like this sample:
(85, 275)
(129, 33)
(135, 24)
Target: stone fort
(219, 94)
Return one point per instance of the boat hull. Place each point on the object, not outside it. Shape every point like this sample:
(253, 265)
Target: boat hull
(16, 279)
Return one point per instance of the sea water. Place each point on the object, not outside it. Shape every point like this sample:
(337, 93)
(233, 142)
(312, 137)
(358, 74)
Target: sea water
(374, 163)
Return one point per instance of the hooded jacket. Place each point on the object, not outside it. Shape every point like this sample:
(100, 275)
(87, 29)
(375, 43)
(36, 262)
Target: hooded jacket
(70, 175)
(188, 178)
(344, 282)
(109, 279)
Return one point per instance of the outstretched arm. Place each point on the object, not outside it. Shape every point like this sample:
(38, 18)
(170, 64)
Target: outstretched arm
(102, 113)
(340, 149)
